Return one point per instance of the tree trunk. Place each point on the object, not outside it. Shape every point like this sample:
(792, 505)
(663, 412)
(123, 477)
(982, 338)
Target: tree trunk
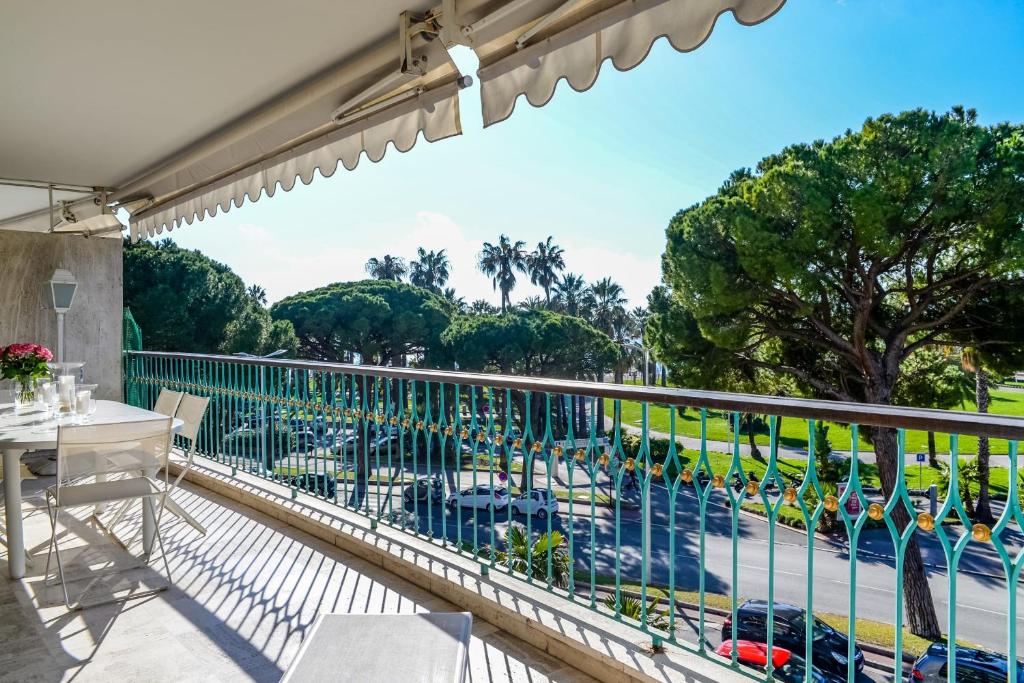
(664, 376)
(600, 412)
(983, 508)
(754, 450)
(917, 594)
(933, 457)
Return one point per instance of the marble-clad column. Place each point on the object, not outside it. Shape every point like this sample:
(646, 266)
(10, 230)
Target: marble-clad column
(92, 328)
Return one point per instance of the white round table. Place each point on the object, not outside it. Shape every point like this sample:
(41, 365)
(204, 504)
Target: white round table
(20, 433)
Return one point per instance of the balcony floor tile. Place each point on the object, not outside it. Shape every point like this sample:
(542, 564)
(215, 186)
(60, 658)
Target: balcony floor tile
(243, 598)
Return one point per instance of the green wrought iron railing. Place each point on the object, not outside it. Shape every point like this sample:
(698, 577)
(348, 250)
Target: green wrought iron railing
(669, 524)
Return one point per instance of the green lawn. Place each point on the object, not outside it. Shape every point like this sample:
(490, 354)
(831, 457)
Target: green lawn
(794, 431)
(917, 478)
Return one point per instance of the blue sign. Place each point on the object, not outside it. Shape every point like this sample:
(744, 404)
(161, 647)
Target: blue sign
(920, 457)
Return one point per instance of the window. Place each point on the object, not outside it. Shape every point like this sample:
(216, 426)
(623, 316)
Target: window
(965, 673)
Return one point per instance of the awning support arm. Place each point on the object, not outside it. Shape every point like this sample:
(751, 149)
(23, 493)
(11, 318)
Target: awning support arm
(549, 19)
(409, 67)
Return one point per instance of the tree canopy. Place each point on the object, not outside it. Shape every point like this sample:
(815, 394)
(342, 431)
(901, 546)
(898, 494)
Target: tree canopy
(529, 342)
(833, 263)
(380, 320)
(185, 301)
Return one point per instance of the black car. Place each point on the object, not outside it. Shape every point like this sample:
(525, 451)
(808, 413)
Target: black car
(828, 651)
(303, 441)
(320, 484)
(975, 666)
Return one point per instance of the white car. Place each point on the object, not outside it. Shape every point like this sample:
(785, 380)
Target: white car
(538, 503)
(480, 497)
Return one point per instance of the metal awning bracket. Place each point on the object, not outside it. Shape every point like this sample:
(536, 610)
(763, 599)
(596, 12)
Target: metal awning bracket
(410, 67)
(546, 21)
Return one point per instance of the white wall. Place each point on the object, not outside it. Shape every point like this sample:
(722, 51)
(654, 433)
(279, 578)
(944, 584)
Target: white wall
(92, 328)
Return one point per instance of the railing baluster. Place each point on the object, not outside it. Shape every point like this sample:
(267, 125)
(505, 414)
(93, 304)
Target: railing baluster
(259, 407)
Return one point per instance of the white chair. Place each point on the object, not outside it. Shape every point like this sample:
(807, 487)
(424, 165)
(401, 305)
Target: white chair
(167, 402)
(113, 463)
(190, 410)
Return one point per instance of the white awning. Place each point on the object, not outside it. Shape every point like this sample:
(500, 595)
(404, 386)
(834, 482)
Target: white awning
(434, 113)
(302, 140)
(526, 47)
(180, 110)
(176, 111)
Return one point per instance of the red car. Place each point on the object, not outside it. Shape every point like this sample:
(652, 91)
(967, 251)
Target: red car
(787, 667)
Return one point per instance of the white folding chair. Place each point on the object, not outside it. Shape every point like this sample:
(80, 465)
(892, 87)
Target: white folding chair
(167, 402)
(110, 463)
(191, 411)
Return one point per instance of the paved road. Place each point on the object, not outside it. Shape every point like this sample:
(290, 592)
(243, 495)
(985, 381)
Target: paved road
(981, 610)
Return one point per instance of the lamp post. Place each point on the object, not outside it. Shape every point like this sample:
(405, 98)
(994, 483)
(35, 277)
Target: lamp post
(62, 293)
(647, 499)
(263, 404)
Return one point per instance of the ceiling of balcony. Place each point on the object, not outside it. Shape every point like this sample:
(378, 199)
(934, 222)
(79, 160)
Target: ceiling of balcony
(98, 93)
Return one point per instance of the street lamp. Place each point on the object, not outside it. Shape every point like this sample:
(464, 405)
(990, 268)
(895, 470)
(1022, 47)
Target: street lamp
(62, 293)
(263, 393)
(647, 499)
(647, 355)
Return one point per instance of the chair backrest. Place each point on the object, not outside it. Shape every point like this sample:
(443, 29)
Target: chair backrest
(103, 449)
(191, 411)
(167, 402)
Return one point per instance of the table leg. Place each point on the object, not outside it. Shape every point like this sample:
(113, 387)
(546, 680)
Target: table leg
(148, 519)
(12, 504)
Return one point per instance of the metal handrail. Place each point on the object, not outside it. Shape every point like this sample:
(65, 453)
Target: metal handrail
(869, 414)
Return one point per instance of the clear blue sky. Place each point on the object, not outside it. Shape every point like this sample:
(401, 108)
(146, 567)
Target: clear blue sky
(604, 171)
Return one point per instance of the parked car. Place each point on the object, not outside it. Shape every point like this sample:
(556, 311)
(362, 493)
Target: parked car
(830, 646)
(346, 440)
(418, 490)
(786, 666)
(303, 441)
(383, 435)
(480, 497)
(972, 665)
(538, 503)
(320, 484)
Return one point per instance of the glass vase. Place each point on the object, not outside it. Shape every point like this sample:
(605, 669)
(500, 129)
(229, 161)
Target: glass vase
(24, 395)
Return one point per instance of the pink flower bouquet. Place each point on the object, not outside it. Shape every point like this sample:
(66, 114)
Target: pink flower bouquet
(24, 362)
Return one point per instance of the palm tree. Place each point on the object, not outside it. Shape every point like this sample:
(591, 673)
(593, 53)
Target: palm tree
(387, 268)
(572, 296)
(609, 303)
(532, 303)
(972, 361)
(609, 315)
(544, 264)
(500, 262)
(257, 294)
(430, 270)
(639, 316)
(631, 608)
(457, 302)
(483, 307)
(520, 557)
